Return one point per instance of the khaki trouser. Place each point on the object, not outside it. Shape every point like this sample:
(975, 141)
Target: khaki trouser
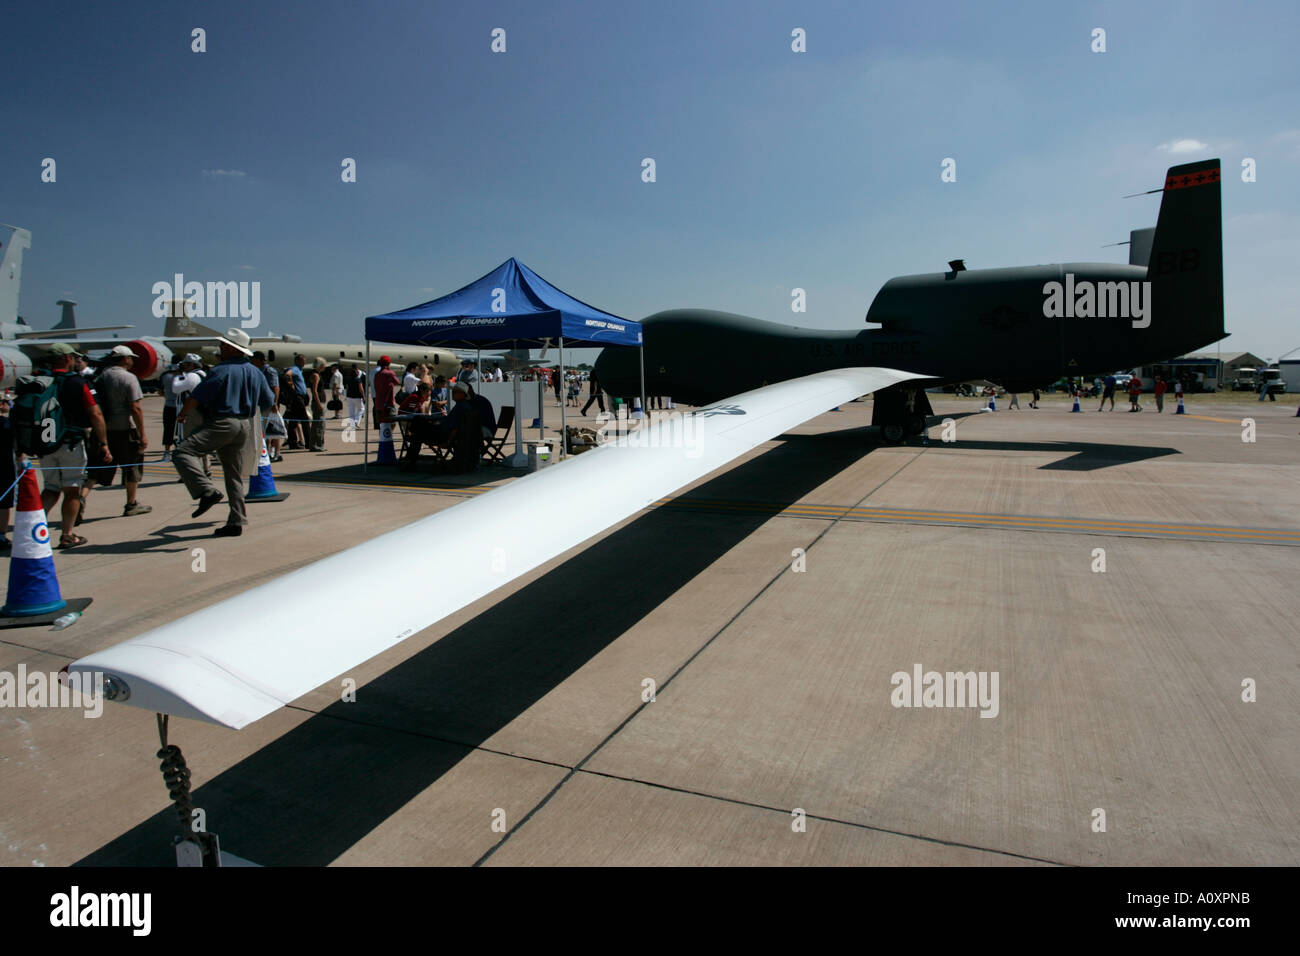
(226, 438)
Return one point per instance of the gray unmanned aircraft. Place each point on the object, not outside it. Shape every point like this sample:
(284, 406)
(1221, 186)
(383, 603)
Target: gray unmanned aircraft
(1019, 327)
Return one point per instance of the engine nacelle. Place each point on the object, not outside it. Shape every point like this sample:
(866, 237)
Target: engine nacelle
(13, 364)
(151, 357)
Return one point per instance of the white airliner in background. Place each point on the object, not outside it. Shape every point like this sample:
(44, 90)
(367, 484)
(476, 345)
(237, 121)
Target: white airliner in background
(20, 343)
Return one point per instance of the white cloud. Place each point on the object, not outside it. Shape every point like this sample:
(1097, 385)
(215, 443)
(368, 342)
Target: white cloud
(426, 289)
(1180, 146)
(1290, 137)
(225, 172)
(246, 268)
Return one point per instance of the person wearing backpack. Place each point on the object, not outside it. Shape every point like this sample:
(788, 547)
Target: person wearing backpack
(77, 420)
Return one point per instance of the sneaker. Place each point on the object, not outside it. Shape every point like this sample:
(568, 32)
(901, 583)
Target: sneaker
(228, 531)
(135, 508)
(166, 456)
(206, 502)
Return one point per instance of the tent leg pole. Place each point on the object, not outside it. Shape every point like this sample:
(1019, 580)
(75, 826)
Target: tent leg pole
(518, 459)
(366, 410)
(564, 401)
(645, 408)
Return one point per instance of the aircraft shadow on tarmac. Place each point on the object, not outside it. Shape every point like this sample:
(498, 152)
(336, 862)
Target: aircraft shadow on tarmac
(1087, 456)
(393, 475)
(313, 793)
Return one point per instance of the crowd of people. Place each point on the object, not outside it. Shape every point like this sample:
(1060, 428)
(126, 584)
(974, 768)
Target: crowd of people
(1134, 389)
(208, 412)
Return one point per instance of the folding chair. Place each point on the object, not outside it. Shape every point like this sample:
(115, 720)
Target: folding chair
(492, 448)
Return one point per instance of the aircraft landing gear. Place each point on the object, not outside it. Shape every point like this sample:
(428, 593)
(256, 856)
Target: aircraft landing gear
(900, 411)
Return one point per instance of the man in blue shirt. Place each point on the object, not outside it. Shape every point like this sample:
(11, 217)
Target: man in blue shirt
(1108, 391)
(229, 397)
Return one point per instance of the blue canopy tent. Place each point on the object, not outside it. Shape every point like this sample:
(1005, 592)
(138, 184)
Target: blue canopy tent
(511, 306)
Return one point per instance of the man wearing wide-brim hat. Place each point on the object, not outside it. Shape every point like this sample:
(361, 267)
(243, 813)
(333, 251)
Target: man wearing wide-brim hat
(229, 399)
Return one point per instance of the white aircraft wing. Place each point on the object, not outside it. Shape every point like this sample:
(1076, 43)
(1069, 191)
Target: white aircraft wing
(238, 660)
(54, 338)
(42, 336)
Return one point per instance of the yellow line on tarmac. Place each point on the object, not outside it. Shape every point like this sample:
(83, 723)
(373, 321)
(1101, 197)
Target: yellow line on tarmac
(1012, 522)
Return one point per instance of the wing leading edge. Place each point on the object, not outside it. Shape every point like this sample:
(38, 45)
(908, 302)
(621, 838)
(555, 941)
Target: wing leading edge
(240, 659)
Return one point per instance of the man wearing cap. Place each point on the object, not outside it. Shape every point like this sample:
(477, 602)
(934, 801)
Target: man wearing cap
(468, 374)
(65, 467)
(176, 386)
(230, 397)
(119, 395)
(386, 383)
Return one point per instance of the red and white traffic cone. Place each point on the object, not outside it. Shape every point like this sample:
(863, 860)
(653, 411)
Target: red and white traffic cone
(33, 596)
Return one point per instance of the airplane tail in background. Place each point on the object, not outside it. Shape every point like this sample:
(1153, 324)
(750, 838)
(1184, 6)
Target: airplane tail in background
(12, 243)
(179, 325)
(68, 318)
(1186, 258)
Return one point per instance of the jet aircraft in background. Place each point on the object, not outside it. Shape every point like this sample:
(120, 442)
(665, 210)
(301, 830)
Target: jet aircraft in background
(997, 324)
(19, 342)
(21, 346)
(182, 334)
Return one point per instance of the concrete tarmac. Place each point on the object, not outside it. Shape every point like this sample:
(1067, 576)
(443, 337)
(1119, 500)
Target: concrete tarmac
(1146, 713)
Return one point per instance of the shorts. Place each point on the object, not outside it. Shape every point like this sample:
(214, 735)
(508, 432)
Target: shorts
(65, 467)
(125, 450)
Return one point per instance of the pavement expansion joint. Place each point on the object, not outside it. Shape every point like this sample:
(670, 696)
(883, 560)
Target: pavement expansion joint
(671, 677)
(734, 801)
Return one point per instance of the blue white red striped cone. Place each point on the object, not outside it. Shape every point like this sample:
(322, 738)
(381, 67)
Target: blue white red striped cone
(33, 584)
(993, 403)
(636, 408)
(1076, 403)
(261, 486)
(387, 454)
(1183, 411)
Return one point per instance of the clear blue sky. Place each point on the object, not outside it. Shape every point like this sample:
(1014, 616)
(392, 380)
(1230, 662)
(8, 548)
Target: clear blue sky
(775, 169)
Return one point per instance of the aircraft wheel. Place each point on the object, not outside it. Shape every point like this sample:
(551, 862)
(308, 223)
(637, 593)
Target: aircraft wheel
(915, 424)
(893, 433)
